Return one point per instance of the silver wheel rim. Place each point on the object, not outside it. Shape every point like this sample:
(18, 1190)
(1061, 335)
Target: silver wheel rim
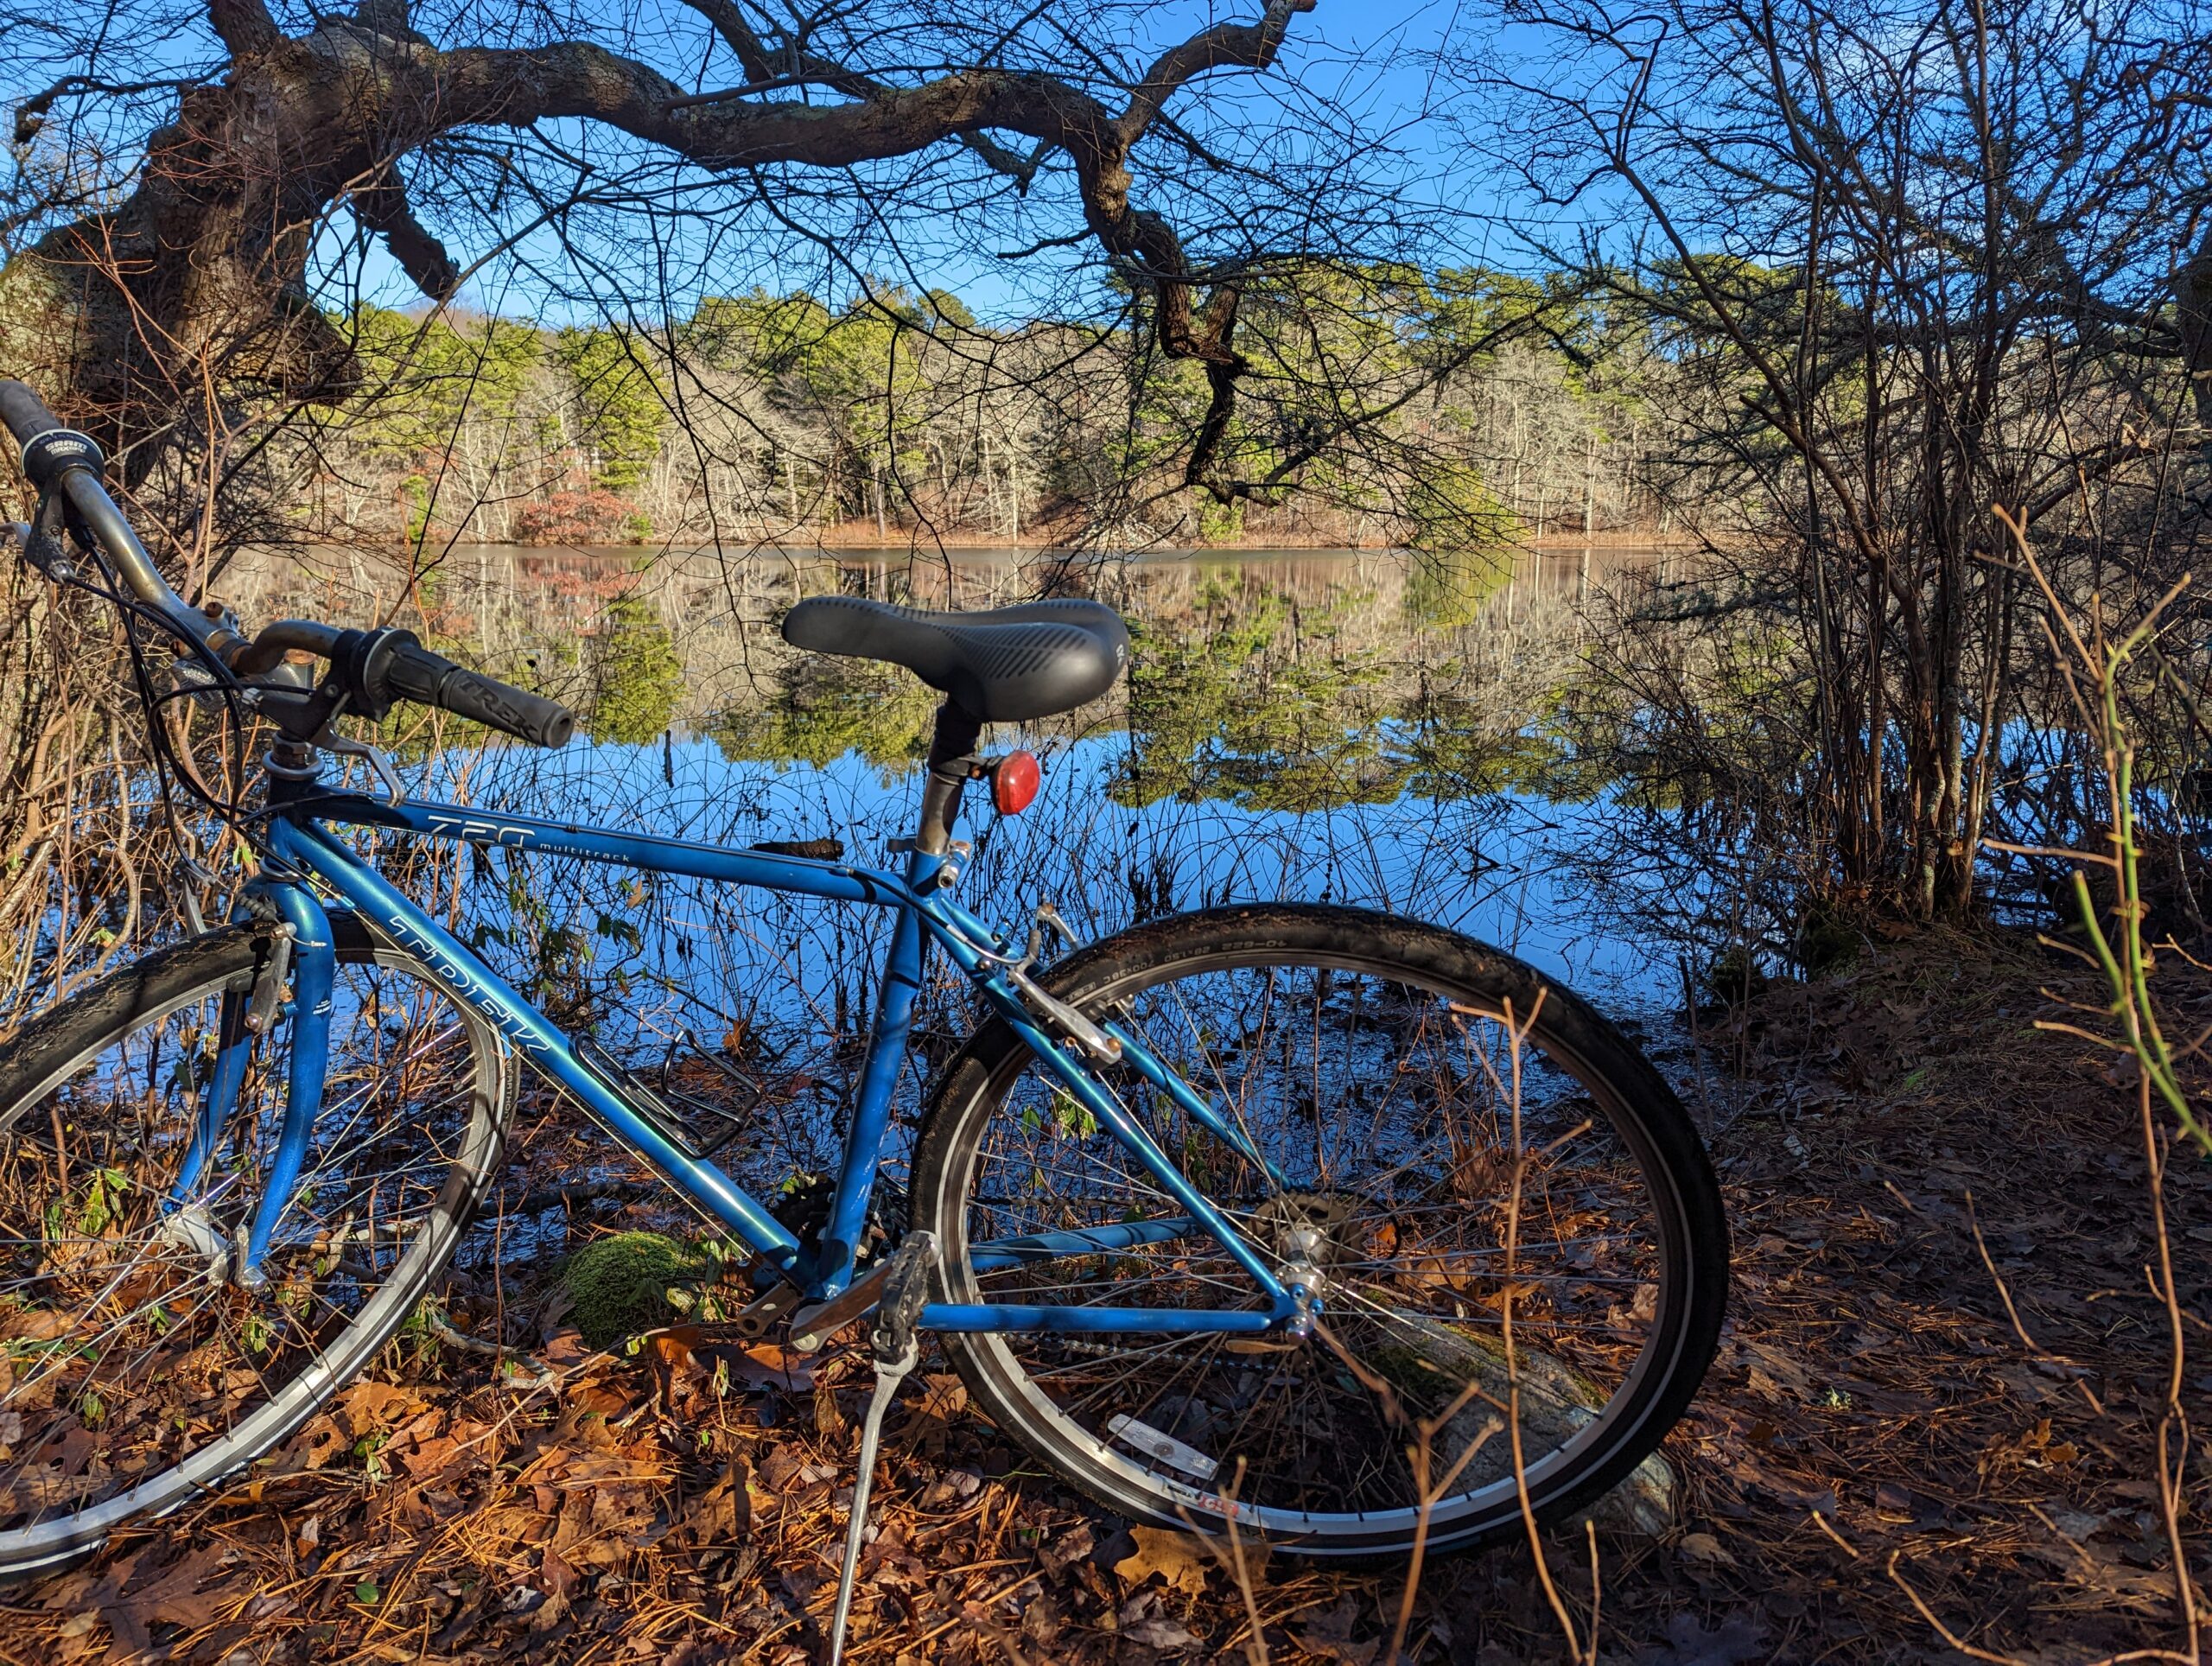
(471, 1166)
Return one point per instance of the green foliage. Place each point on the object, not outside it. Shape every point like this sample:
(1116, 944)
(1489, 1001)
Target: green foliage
(619, 1284)
(1454, 510)
(425, 375)
(637, 673)
(619, 399)
(1829, 938)
(855, 376)
(1220, 523)
(826, 708)
(1456, 749)
(1362, 389)
(940, 308)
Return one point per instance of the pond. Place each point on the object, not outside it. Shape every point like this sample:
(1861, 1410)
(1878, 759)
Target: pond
(1338, 723)
(1356, 726)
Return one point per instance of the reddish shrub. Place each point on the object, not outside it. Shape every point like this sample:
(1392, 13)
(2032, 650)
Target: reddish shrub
(596, 516)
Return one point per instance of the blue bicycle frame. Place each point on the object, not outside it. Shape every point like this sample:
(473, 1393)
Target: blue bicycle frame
(308, 856)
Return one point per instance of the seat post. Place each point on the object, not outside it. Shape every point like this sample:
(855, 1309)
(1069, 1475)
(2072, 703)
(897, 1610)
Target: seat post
(952, 743)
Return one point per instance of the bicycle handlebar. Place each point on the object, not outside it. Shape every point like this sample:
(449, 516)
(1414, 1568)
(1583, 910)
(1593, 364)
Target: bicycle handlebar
(378, 666)
(25, 413)
(415, 673)
(55, 457)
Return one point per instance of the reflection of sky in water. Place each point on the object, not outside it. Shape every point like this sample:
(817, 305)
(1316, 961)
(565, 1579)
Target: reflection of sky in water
(1480, 866)
(787, 984)
(796, 977)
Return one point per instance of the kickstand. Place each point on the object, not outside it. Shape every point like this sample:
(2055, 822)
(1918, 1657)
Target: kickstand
(906, 1287)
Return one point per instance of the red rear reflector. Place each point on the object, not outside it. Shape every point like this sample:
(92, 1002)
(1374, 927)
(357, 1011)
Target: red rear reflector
(1014, 781)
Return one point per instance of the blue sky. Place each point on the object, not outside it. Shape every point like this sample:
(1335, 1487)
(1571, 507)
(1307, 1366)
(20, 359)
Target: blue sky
(1369, 59)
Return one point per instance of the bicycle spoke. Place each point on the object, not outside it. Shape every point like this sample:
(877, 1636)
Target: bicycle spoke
(1386, 1109)
(121, 1315)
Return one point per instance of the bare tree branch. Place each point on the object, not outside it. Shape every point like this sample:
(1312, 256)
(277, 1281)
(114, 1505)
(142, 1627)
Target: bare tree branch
(384, 208)
(1225, 46)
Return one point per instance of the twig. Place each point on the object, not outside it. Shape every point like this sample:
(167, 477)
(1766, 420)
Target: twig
(1997, 1279)
(2171, 1474)
(1256, 1646)
(1843, 1544)
(1516, 1035)
(1941, 1630)
(443, 1329)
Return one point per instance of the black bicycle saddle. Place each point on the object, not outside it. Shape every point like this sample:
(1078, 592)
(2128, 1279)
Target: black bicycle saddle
(1003, 665)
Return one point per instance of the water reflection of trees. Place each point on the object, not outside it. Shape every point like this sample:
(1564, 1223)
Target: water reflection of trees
(1295, 683)
(820, 710)
(637, 673)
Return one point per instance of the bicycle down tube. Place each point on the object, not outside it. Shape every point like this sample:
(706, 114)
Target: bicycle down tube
(300, 838)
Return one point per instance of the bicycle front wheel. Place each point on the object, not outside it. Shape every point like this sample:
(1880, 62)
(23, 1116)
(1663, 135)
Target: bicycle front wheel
(1515, 1234)
(135, 1366)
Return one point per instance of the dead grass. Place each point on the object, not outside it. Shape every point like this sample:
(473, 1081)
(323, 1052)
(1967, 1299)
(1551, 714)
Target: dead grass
(1896, 1414)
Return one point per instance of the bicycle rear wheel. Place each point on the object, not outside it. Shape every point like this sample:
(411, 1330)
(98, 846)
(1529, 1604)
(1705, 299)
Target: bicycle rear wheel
(134, 1369)
(1511, 1236)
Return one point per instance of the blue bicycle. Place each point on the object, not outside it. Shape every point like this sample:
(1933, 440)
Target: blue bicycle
(1340, 1226)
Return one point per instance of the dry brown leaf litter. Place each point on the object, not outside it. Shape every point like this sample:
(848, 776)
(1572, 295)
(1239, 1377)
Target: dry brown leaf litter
(1873, 1400)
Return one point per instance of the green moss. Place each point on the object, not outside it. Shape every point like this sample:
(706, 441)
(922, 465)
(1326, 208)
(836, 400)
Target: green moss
(1735, 977)
(621, 1284)
(1828, 938)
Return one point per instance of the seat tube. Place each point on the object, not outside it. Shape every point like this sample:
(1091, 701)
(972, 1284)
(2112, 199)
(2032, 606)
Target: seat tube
(314, 972)
(887, 1058)
(954, 739)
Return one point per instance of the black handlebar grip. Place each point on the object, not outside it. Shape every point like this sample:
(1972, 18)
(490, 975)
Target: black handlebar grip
(25, 413)
(417, 674)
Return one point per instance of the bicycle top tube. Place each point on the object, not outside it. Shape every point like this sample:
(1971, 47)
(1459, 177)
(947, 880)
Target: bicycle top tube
(833, 881)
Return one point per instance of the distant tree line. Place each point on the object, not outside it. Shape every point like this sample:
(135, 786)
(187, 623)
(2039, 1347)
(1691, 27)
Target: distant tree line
(1463, 408)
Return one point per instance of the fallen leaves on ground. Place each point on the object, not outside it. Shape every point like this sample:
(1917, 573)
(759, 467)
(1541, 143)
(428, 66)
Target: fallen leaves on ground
(1872, 1398)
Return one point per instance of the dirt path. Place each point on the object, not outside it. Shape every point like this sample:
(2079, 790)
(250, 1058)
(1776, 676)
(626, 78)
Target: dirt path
(1877, 1420)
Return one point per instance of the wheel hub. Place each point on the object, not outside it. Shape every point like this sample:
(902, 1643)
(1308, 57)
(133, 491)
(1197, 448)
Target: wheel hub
(1315, 1226)
(1312, 1233)
(198, 1233)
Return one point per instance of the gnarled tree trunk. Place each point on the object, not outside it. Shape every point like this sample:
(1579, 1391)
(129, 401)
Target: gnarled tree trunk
(194, 288)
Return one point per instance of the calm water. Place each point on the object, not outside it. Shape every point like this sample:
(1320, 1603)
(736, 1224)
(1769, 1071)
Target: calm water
(1298, 723)
(1356, 726)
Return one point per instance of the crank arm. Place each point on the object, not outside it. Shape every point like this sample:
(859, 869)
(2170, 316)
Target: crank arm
(813, 1326)
(755, 1318)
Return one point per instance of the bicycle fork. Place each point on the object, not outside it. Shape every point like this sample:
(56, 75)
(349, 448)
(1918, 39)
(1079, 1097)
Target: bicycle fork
(302, 947)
